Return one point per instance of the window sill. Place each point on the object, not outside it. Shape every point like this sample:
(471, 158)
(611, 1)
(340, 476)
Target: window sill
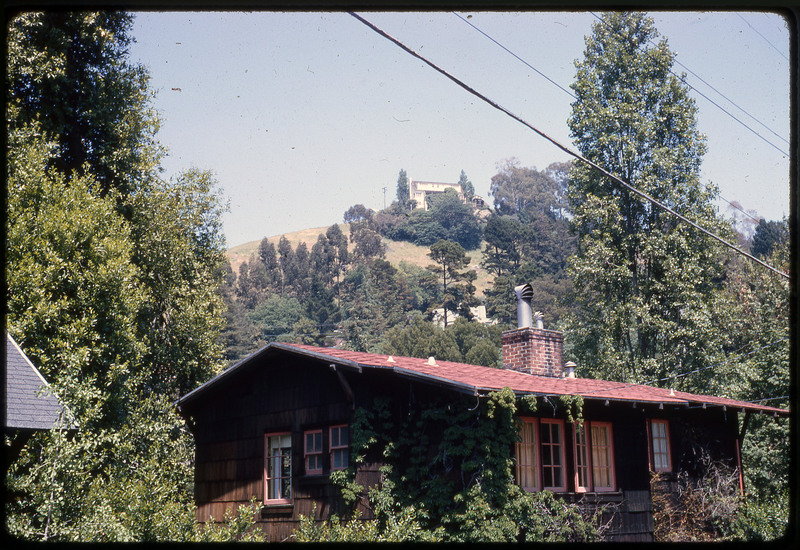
(277, 509)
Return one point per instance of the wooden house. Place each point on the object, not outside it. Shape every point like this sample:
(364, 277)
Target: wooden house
(276, 424)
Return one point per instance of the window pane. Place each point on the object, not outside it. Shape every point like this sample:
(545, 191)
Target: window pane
(526, 467)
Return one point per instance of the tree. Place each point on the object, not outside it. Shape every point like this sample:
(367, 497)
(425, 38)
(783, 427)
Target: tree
(466, 186)
(457, 288)
(363, 233)
(341, 256)
(179, 248)
(403, 191)
(113, 286)
(69, 73)
(647, 283)
(768, 234)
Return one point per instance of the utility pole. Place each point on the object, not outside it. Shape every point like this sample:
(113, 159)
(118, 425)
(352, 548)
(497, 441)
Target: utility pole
(384, 198)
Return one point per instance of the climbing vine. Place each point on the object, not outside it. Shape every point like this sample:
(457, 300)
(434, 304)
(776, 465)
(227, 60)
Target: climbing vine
(449, 463)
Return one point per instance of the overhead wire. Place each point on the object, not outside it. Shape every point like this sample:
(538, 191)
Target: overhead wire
(720, 107)
(783, 55)
(567, 150)
(527, 64)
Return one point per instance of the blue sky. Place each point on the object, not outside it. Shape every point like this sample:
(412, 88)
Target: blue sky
(302, 115)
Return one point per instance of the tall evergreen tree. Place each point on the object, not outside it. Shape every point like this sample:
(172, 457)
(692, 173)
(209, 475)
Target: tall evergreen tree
(466, 186)
(456, 283)
(403, 191)
(647, 281)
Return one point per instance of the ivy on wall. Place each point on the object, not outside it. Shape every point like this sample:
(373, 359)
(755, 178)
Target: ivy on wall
(447, 472)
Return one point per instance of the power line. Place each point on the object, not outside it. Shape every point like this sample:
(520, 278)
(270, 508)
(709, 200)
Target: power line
(717, 105)
(764, 37)
(574, 97)
(564, 148)
(518, 57)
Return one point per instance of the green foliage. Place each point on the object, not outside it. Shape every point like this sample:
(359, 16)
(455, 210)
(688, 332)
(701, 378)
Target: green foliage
(462, 341)
(113, 287)
(528, 240)
(458, 290)
(276, 316)
(403, 191)
(768, 234)
(68, 73)
(649, 285)
(73, 293)
(466, 186)
(448, 476)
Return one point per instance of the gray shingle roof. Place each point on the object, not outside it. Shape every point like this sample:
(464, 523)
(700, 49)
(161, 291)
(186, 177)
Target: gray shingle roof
(30, 404)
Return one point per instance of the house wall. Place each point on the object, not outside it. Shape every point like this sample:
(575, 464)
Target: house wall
(293, 394)
(229, 435)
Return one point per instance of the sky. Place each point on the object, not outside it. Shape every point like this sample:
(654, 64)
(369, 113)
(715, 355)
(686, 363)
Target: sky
(302, 115)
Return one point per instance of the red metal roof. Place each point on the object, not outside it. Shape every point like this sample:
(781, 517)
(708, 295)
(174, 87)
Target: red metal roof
(476, 378)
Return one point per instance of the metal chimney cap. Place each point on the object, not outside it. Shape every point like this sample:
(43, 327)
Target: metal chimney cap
(569, 369)
(524, 292)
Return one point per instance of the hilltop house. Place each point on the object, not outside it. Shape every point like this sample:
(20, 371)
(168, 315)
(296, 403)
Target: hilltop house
(418, 191)
(31, 405)
(276, 424)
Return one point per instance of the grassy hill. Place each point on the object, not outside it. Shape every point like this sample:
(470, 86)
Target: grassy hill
(396, 252)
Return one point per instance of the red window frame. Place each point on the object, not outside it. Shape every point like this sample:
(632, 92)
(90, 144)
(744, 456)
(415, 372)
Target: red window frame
(663, 450)
(277, 488)
(552, 455)
(339, 450)
(602, 451)
(526, 470)
(583, 461)
(312, 451)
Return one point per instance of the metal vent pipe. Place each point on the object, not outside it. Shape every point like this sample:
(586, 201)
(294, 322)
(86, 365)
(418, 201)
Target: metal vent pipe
(524, 294)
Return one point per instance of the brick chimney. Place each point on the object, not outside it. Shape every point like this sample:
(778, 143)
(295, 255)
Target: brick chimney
(532, 350)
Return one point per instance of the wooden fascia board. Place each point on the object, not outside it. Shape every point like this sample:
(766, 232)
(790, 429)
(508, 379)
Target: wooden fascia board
(437, 380)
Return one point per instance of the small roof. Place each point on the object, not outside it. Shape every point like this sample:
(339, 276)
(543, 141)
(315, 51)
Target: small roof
(30, 404)
(476, 379)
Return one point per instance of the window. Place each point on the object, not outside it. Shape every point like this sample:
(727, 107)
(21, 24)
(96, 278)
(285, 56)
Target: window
(340, 455)
(312, 451)
(552, 455)
(602, 456)
(583, 481)
(527, 468)
(659, 437)
(277, 468)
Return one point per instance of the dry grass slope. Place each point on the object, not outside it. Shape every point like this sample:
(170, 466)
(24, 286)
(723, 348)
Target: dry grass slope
(396, 252)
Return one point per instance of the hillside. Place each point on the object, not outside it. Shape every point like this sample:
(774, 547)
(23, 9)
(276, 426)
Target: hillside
(396, 252)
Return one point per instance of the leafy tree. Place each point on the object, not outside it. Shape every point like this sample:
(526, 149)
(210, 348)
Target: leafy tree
(269, 257)
(376, 297)
(516, 190)
(339, 253)
(73, 294)
(504, 236)
(113, 286)
(179, 248)
(363, 233)
(275, 317)
(767, 235)
(457, 288)
(286, 261)
(647, 282)
(456, 219)
(421, 339)
(68, 72)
